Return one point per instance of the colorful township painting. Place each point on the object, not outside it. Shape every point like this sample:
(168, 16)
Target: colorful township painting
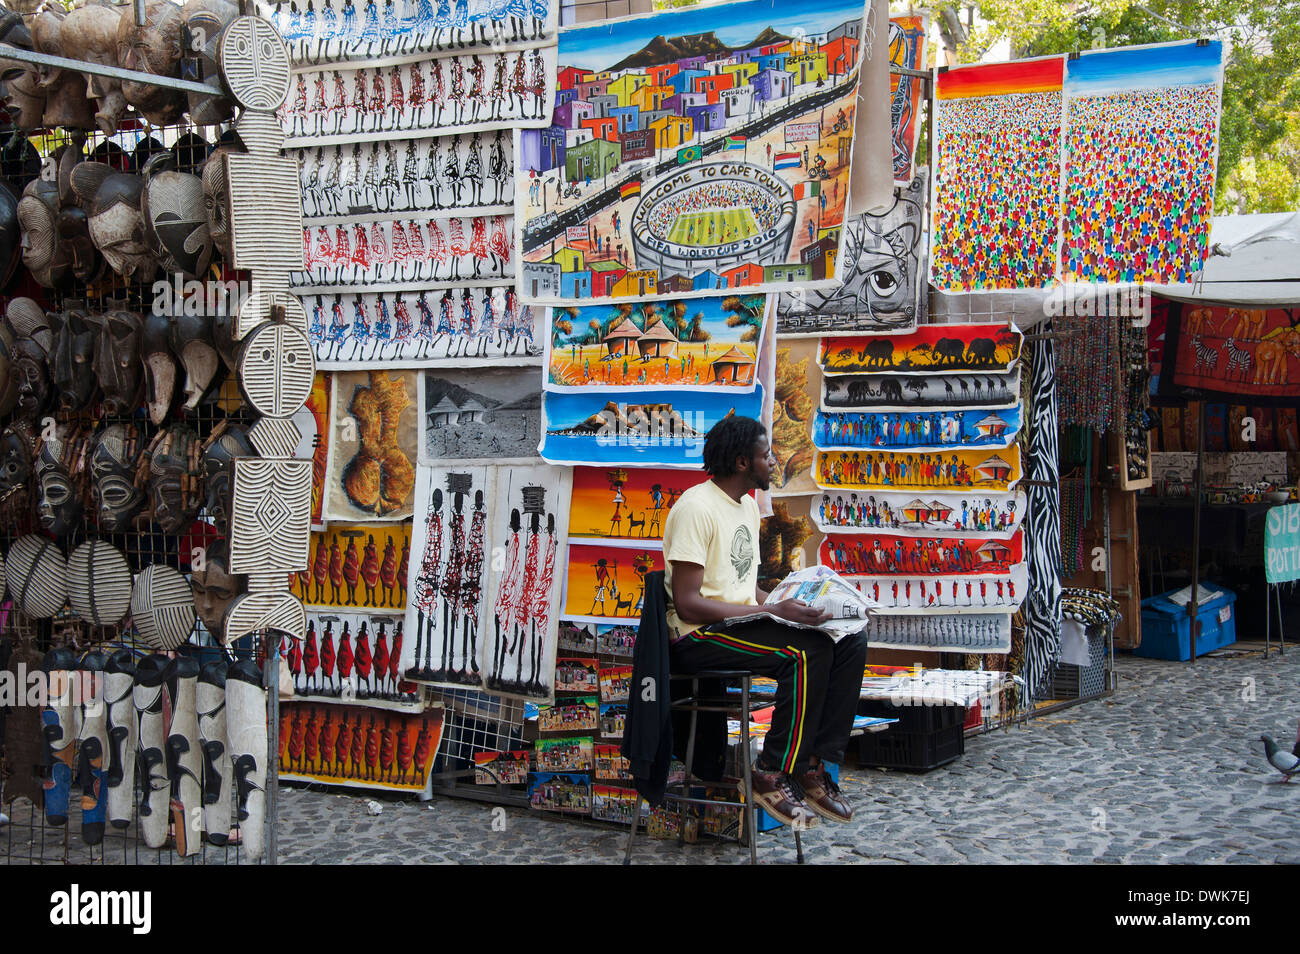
(352, 657)
(451, 327)
(1236, 351)
(698, 150)
(560, 792)
(608, 585)
(610, 763)
(357, 567)
(335, 30)
(997, 175)
(880, 270)
(564, 755)
(907, 50)
(621, 503)
(608, 640)
(901, 392)
(682, 344)
(641, 429)
(874, 554)
(501, 768)
(942, 515)
(479, 413)
(357, 746)
(424, 251)
(959, 594)
(919, 430)
(373, 446)
(979, 470)
(474, 91)
(797, 381)
(571, 714)
(1141, 150)
(472, 172)
(930, 349)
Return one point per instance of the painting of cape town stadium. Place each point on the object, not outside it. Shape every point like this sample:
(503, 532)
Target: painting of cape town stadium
(693, 152)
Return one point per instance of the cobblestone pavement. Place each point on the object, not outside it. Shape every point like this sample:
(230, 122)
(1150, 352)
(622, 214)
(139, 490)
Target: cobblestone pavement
(1167, 770)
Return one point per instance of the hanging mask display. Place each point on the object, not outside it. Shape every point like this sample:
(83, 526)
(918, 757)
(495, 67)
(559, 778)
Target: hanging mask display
(31, 369)
(117, 497)
(174, 217)
(15, 460)
(38, 216)
(159, 367)
(219, 455)
(174, 482)
(72, 363)
(58, 497)
(118, 367)
(112, 203)
(216, 198)
(190, 339)
(153, 48)
(215, 588)
(204, 21)
(90, 33)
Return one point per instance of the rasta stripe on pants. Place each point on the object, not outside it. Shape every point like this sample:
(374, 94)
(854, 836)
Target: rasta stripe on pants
(788, 758)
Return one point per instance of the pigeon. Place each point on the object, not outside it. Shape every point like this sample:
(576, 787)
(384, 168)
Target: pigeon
(1284, 762)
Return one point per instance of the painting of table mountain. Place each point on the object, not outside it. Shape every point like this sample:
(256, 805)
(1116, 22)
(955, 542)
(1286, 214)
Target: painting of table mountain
(480, 413)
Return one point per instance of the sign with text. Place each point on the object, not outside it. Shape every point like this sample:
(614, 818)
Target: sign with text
(1282, 544)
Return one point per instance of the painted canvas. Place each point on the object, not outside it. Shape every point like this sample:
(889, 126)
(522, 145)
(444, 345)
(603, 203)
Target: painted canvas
(930, 349)
(879, 554)
(907, 49)
(611, 765)
(613, 804)
(373, 446)
(318, 406)
(483, 413)
(462, 173)
(942, 632)
(356, 567)
(577, 674)
(418, 251)
(622, 503)
(465, 326)
(997, 470)
(997, 175)
(501, 768)
(796, 384)
(641, 428)
(615, 683)
(946, 594)
(1141, 152)
(528, 530)
(353, 658)
(787, 541)
(608, 585)
(700, 149)
(880, 271)
(1235, 351)
(920, 430)
(560, 792)
(936, 515)
(901, 392)
(571, 714)
(477, 91)
(679, 344)
(563, 755)
(335, 30)
(357, 746)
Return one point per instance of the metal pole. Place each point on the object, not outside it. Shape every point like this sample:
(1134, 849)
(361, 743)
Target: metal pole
(1193, 608)
(9, 52)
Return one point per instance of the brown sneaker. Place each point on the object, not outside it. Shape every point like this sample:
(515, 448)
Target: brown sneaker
(775, 795)
(823, 796)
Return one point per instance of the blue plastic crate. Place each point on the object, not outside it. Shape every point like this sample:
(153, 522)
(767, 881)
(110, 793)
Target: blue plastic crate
(1167, 626)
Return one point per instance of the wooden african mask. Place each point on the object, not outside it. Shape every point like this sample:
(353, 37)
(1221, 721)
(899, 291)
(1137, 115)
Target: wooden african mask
(58, 500)
(153, 48)
(8, 381)
(84, 259)
(204, 21)
(66, 102)
(112, 202)
(16, 446)
(24, 96)
(219, 471)
(9, 234)
(175, 219)
(118, 367)
(216, 588)
(31, 367)
(190, 338)
(216, 198)
(174, 478)
(90, 33)
(116, 497)
(38, 212)
(71, 363)
(159, 366)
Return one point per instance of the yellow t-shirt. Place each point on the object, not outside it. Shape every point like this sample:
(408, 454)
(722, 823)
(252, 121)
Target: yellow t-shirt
(707, 527)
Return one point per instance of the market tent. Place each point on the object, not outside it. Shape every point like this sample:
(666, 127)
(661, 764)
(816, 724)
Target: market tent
(1254, 262)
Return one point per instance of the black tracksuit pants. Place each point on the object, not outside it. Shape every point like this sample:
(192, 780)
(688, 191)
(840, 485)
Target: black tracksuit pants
(818, 682)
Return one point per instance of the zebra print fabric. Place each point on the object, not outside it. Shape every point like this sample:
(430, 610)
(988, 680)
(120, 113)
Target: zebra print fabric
(1042, 608)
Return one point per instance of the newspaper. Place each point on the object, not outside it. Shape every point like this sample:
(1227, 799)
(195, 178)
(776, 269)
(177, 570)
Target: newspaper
(825, 589)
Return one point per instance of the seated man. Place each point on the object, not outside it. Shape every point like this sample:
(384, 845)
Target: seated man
(711, 575)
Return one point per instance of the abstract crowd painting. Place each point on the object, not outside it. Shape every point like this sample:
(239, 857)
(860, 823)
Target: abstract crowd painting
(921, 430)
(607, 584)
(356, 567)
(622, 503)
(373, 446)
(930, 349)
(881, 270)
(357, 746)
(485, 413)
(902, 392)
(335, 30)
(997, 470)
(475, 91)
(875, 554)
(473, 172)
(1235, 351)
(1141, 152)
(451, 327)
(941, 515)
(640, 428)
(694, 151)
(674, 343)
(397, 252)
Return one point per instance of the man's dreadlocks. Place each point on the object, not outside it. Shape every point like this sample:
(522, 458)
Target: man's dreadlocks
(730, 438)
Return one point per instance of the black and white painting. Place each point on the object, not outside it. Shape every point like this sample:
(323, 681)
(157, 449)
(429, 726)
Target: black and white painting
(479, 414)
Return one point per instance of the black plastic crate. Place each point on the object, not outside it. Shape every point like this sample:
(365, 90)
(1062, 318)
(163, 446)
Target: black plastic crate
(912, 751)
(913, 718)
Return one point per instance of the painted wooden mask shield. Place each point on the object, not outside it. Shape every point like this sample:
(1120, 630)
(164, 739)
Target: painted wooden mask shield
(58, 499)
(117, 361)
(204, 21)
(175, 218)
(72, 363)
(219, 471)
(159, 366)
(116, 497)
(15, 460)
(38, 212)
(174, 478)
(112, 202)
